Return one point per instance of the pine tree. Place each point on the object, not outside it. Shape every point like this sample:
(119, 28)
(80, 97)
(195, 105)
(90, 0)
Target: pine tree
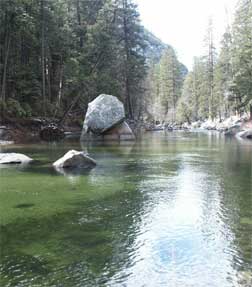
(133, 68)
(210, 66)
(170, 85)
(242, 55)
(194, 103)
(223, 76)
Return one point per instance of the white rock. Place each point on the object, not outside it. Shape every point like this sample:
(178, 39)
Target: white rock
(103, 113)
(74, 159)
(14, 158)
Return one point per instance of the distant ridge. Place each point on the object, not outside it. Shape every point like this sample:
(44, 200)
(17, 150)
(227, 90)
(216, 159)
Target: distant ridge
(155, 48)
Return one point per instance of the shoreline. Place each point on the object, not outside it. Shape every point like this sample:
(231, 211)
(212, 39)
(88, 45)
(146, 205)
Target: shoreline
(28, 130)
(21, 131)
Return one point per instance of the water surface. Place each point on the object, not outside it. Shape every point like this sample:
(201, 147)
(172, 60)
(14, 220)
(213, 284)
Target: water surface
(172, 209)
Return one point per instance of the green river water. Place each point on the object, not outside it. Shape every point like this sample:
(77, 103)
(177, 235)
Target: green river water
(171, 209)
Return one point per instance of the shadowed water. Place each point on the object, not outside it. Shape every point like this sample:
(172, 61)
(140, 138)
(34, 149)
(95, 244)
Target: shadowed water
(173, 209)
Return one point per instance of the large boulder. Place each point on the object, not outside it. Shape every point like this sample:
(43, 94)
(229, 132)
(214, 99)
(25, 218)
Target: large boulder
(75, 159)
(14, 158)
(103, 113)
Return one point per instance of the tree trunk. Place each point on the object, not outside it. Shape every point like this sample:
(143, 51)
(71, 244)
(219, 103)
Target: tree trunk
(79, 22)
(128, 99)
(7, 47)
(127, 83)
(43, 56)
(250, 111)
(73, 103)
(48, 75)
(173, 92)
(210, 70)
(60, 87)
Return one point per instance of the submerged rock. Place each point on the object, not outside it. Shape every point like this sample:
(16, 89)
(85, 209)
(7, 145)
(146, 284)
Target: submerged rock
(75, 159)
(14, 158)
(103, 113)
(120, 132)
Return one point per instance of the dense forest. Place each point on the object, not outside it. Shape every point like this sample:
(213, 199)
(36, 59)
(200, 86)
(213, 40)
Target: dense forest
(56, 56)
(59, 55)
(220, 84)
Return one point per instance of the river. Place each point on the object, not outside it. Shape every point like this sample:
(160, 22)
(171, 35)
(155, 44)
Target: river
(171, 209)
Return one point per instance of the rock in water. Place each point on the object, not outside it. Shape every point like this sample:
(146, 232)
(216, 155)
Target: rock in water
(247, 134)
(121, 132)
(14, 158)
(105, 121)
(74, 159)
(233, 130)
(103, 113)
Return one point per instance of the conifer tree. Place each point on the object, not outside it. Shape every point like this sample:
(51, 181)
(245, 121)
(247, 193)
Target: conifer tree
(242, 56)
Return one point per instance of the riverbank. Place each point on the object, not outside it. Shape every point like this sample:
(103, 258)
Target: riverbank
(231, 126)
(28, 130)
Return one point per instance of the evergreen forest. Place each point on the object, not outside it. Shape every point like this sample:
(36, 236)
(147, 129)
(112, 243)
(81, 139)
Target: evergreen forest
(58, 55)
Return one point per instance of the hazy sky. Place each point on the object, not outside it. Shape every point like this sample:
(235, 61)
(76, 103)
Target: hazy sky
(183, 23)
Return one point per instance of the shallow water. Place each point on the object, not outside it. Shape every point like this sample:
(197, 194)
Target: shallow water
(173, 209)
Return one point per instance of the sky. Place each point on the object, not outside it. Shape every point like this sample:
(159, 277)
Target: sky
(183, 23)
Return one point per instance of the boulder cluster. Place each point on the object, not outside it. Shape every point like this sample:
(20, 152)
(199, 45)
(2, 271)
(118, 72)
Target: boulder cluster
(71, 160)
(240, 127)
(232, 126)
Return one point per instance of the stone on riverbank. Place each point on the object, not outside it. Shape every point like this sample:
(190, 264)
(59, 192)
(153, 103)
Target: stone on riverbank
(227, 125)
(75, 159)
(14, 158)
